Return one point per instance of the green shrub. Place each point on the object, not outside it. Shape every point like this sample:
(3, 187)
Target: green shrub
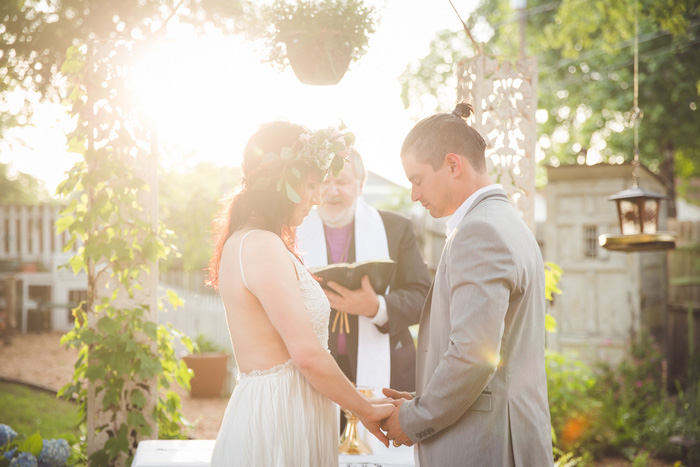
(570, 383)
(203, 344)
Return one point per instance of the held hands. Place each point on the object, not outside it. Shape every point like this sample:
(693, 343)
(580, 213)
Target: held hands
(391, 425)
(361, 302)
(373, 420)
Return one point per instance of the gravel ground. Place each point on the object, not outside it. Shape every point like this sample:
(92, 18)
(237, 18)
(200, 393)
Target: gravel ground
(39, 359)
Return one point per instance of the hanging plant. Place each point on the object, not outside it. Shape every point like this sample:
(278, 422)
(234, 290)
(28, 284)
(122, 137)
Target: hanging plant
(319, 39)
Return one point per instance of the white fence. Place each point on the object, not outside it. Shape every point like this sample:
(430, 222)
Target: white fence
(202, 313)
(27, 234)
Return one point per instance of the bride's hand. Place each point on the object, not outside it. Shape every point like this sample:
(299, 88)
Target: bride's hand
(373, 420)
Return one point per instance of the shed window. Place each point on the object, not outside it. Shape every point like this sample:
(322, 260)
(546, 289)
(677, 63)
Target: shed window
(590, 241)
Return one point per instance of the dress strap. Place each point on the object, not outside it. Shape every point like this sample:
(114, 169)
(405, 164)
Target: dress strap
(240, 259)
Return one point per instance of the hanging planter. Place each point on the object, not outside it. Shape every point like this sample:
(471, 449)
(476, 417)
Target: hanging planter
(317, 38)
(319, 58)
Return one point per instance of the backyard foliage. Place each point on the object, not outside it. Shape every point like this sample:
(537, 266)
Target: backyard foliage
(22, 407)
(188, 201)
(585, 83)
(21, 188)
(621, 409)
(20, 450)
(123, 352)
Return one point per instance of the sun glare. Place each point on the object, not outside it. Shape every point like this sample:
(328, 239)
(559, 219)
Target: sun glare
(197, 92)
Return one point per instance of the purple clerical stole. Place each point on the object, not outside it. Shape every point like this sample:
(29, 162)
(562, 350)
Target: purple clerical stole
(338, 244)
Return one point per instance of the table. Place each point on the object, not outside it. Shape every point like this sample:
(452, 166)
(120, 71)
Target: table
(197, 453)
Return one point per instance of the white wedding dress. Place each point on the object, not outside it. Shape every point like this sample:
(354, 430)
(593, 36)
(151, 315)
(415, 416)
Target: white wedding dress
(275, 417)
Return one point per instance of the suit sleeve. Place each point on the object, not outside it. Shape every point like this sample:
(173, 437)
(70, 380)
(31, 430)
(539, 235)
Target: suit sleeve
(410, 285)
(480, 274)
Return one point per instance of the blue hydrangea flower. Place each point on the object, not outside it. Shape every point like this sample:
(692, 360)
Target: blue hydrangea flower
(54, 453)
(7, 434)
(10, 454)
(24, 460)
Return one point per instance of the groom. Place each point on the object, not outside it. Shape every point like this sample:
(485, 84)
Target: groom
(481, 392)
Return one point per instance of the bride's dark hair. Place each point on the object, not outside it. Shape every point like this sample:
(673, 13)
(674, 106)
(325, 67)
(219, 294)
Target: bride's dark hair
(258, 201)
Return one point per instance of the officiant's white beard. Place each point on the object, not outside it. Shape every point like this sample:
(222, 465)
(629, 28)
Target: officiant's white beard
(338, 220)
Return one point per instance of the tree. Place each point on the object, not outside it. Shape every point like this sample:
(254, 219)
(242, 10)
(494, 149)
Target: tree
(35, 35)
(21, 188)
(585, 55)
(188, 204)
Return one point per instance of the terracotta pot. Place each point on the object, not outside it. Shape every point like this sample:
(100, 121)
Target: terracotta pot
(210, 371)
(29, 267)
(318, 57)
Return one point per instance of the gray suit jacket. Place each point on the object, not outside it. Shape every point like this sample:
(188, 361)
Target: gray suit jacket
(481, 387)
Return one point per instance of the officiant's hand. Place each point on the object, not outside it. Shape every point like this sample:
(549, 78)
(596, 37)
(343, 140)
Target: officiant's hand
(361, 302)
(373, 420)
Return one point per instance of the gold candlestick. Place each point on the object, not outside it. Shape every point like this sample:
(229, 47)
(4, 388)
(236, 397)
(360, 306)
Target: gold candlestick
(350, 441)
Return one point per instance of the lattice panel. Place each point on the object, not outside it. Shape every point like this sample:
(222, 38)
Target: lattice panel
(503, 91)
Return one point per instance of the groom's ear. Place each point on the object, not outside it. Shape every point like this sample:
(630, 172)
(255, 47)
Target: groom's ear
(454, 163)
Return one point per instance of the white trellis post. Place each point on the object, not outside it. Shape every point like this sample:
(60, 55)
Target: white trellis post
(503, 91)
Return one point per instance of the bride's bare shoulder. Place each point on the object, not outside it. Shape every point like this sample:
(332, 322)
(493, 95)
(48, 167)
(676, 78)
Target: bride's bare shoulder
(260, 242)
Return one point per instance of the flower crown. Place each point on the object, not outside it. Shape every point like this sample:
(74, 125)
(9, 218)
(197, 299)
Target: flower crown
(323, 149)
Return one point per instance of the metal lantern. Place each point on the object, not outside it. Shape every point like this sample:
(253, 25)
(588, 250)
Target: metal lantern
(638, 213)
(637, 209)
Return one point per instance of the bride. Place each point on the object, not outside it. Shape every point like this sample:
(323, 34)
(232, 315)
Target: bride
(281, 412)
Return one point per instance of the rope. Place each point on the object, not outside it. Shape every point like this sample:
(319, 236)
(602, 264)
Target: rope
(636, 111)
(476, 45)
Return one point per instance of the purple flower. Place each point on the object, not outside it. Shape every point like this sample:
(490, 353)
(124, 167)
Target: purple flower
(10, 454)
(7, 434)
(24, 460)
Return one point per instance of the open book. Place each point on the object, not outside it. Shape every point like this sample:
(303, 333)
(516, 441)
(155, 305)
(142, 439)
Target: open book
(350, 275)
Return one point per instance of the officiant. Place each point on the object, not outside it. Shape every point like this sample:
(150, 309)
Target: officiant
(368, 332)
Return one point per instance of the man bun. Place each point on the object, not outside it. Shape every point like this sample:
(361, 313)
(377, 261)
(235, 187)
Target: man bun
(463, 110)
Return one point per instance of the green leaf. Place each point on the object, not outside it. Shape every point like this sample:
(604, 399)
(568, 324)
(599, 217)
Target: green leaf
(108, 325)
(550, 324)
(174, 299)
(32, 445)
(286, 153)
(76, 263)
(76, 145)
(136, 419)
(151, 329)
(291, 194)
(63, 223)
(138, 398)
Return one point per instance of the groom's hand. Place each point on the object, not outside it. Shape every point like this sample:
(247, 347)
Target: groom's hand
(362, 302)
(394, 394)
(392, 427)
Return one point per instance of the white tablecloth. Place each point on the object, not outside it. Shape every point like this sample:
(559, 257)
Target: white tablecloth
(197, 453)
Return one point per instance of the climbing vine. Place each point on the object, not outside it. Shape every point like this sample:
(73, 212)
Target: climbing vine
(125, 358)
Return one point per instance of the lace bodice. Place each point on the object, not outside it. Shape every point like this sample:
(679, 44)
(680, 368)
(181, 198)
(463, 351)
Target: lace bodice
(315, 300)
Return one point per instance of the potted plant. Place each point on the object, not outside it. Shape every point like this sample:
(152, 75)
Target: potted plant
(209, 363)
(319, 38)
